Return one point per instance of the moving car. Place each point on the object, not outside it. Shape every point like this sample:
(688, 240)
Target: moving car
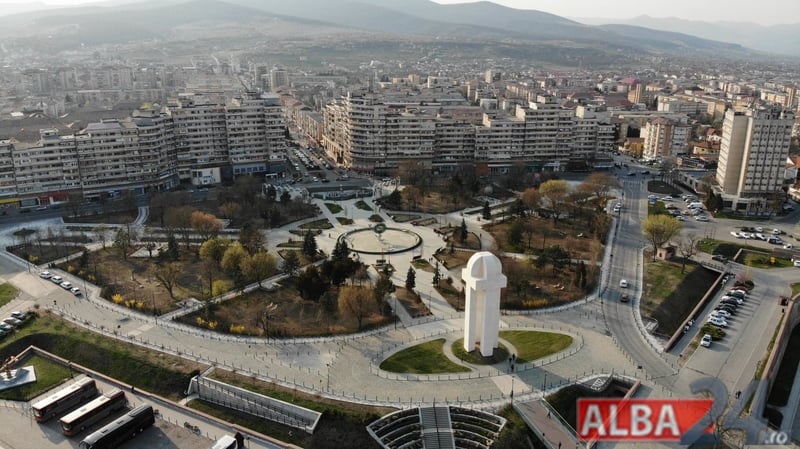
(623, 283)
(624, 298)
(719, 257)
(706, 341)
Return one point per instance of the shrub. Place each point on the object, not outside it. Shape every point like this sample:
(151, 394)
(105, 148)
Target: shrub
(117, 298)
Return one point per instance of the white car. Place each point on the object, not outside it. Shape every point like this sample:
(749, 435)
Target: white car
(759, 229)
(706, 341)
(66, 285)
(680, 218)
(788, 246)
(716, 321)
(736, 234)
(702, 218)
(796, 263)
(76, 291)
(761, 236)
(623, 283)
(720, 313)
(776, 231)
(57, 279)
(746, 235)
(45, 275)
(733, 298)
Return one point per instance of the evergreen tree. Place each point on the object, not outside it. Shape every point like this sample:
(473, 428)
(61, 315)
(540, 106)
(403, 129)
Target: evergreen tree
(173, 253)
(462, 232)
(487, 211)
(291, 263)
(411, 279)
(310, 244)
(340, 251)
(437, 277)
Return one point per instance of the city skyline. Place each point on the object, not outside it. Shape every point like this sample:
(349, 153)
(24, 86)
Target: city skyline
(770, 12)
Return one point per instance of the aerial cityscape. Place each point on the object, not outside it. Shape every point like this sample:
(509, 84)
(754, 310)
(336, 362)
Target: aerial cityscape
(384, 224)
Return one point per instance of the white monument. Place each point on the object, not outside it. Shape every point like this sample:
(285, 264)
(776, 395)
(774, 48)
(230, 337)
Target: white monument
(484, 278)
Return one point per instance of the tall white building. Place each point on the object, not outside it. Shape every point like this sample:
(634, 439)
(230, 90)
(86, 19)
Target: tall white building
(753, 152)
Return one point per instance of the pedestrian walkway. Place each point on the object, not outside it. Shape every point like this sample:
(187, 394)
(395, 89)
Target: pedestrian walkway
(545, 422)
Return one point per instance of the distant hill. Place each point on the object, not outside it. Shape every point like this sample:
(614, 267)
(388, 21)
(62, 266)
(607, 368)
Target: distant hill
(781, 39)
(122, 22)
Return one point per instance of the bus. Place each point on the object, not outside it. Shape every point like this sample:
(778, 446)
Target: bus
(226, 442)
(78, 420)
(122, 429)
(65, 399)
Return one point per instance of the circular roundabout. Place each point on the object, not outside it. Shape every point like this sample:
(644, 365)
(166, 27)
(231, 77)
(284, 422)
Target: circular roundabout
(381, 239)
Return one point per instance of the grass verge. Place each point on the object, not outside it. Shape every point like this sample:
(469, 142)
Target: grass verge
(317, 224)
(48, 375)
(532, 345)
(7, 293)
(159, 373)
(333, 207)
(363, 205)
(425, 358)
(795, 289)
(761, 260)
(669, 295)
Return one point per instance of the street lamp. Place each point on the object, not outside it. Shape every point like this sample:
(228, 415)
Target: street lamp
(328, 382)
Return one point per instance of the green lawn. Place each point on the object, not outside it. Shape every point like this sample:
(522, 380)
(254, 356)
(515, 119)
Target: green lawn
(422, 264)
(344, 220)
(669, 295)
(7, 293)
(727, 249)
(158, 373)
(363, 205)
(500, 354)
(532, 345)
(333, 207)
(425, 358)
(761, 260)
(795, 288)
(318, 224)
(48, 375)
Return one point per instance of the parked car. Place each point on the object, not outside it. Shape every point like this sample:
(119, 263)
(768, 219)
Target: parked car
(723, 313)
(775, 240)
(736, 234)
(45, 275)
(746, 235)
(57, 279)
(66, 285)
(680, 218)
(776, 231)
(705, 341)
(796, 263)
(6, 327)
(719, 322)
(788, 246)
(761, 236)
(19, 315)
(702, 218)
(11, 321)
(76, 291)
(737, 292)
(727, 308)
(731, 302)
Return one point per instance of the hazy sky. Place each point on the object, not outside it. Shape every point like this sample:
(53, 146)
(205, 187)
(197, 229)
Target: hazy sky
(766, 12)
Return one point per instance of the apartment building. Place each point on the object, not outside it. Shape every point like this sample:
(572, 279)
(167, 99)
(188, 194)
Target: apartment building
(152, 150)
(753, 152)
(363, 132)
(665, 138)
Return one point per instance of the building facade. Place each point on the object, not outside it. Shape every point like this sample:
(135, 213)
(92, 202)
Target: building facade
(665, 138)
(753, 152)
(362, 132)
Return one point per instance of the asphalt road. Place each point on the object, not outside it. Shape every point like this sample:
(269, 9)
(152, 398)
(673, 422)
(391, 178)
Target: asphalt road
(627, 264)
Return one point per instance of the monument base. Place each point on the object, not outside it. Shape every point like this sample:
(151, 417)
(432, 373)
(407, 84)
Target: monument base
(19, 377)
